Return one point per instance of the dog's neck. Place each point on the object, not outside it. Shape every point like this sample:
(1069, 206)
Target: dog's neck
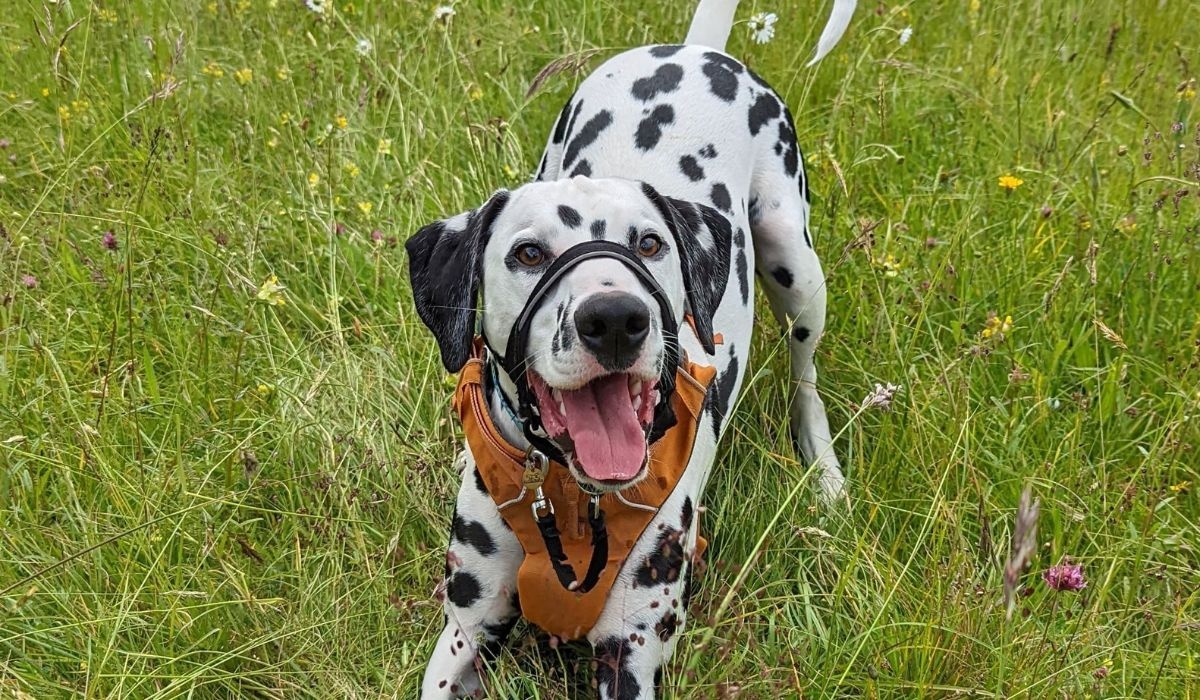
(502, 404)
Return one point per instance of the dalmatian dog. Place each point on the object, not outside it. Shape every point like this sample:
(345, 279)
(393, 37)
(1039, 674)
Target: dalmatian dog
(689, 159)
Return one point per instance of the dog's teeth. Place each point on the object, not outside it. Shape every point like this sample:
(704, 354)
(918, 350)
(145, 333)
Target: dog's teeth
(635, 389)
(562, 409)
(637, 403)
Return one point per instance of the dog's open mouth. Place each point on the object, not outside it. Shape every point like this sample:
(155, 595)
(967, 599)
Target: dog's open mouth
(602, 425)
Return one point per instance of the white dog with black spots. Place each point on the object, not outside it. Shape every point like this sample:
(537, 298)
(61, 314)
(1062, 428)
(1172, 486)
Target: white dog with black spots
(683, 154)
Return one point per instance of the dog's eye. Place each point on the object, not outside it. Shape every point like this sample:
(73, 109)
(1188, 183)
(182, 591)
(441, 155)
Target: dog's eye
(649, 245)
(530, 255)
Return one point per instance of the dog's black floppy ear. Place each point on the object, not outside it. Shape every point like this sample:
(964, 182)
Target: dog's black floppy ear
(444, 268)
(702, 236)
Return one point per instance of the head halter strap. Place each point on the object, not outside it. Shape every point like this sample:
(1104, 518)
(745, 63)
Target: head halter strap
(514, 360)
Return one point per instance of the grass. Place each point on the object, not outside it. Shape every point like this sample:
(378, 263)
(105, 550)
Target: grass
(206, 493)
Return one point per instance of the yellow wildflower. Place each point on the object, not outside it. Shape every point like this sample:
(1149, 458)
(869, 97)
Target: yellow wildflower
(1180, 487)
(351, 169)
(1010, 182)
(45, 92)
(1127, 224)
(80, 106)
(213, 70)
(365, 208)
(996, 329)
(64, 113)
(243, 76)
(341, 121)
(272, 142)
(106, 16)
(889, 264)
(283, 73)
(1186, 89)
(271, 291)
(509, 172)
(385, 147)
(285, 118)
(476, 93)
(264, 390)
(211, 7)
(313, 179)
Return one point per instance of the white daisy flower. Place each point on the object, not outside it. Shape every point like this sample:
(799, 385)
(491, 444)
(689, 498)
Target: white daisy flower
(443, 13)
(317, 6)
(762, 27)
(363, 47)
(905, 35)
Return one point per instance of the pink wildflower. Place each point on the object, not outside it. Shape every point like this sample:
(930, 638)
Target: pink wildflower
(109, 240)
(29, 281)
(1065, 577)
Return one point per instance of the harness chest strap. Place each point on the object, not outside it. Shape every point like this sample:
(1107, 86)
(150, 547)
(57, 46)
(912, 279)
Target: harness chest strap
(545, 602)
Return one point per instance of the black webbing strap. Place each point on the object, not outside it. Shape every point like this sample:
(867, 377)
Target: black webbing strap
(558, 558)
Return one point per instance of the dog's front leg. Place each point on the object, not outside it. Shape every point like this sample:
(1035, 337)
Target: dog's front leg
(480, 592)
(635, 636)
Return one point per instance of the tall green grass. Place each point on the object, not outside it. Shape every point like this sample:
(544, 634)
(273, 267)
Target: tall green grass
(206, 493)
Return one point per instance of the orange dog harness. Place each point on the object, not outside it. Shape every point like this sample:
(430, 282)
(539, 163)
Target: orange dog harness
(514, 481)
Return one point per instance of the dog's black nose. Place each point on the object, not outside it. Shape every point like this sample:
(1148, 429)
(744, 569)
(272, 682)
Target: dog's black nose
(613, 327)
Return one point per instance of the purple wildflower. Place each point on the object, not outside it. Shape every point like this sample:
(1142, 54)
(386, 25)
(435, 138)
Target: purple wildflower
(377, 235)
(881, 397)
(29, 281)
(109, 241)
(1065, 577)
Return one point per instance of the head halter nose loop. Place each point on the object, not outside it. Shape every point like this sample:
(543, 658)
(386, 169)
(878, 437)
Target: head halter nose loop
(514, 359)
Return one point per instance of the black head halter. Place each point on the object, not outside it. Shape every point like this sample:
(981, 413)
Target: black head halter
(514, 360)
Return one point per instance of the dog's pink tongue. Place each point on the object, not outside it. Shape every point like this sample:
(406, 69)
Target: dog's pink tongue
(609, 442)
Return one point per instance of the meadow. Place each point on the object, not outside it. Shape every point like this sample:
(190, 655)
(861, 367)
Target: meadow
(226, 440)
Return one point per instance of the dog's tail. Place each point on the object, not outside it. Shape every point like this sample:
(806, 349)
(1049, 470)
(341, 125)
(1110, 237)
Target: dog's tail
(711, 23)
(714, 20)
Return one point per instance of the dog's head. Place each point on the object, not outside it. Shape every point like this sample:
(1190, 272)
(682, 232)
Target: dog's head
(596, 345)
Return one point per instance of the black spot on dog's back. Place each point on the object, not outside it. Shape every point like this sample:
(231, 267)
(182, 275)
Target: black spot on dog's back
(787, 145)
(709, 151)
(720, 197)
(665, 51)
(587, 135)
(560, 125)
(649, 130)
(685, 515)
(690, 167)
(800, 333)
(584, 168)
(665, 80)
(783, 276)
(722, 72)
(765, 108)
(598, 228)
(743, 267)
